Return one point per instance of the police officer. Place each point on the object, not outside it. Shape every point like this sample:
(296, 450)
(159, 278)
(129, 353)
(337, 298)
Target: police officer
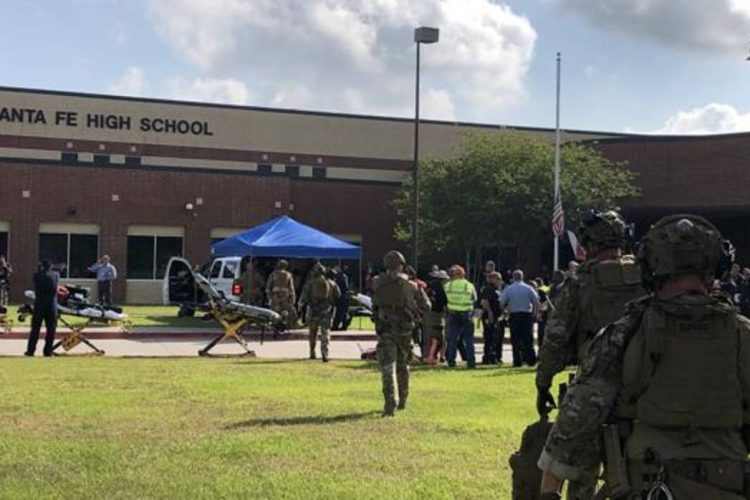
(281, 295)
(45, 308)
(673, 375)
(319, 295)
(397, 304)
(589, 299)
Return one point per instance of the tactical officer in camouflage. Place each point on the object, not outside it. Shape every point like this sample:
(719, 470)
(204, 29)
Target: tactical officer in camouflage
(397, 305)
(671, 378)
(319, 295)
(589, 300)
(281, 295)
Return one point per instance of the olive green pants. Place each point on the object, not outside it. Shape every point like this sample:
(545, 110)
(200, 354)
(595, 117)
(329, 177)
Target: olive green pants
(394, 351)
(320, 324)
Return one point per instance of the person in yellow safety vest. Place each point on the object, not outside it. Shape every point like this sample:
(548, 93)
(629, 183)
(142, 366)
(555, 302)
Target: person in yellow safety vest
(461, 296)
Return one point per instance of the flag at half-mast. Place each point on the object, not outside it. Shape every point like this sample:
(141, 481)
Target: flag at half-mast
(558, 216)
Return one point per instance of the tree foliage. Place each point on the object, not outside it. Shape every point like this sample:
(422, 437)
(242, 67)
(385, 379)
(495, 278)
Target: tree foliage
(499, 191)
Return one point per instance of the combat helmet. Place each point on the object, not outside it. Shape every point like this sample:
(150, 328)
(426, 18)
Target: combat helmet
(318, 269)
(683, 244)
(607, 229)
(393, 259)
(282, 264)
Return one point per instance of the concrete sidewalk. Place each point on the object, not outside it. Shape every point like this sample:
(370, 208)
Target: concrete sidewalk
(178, 346)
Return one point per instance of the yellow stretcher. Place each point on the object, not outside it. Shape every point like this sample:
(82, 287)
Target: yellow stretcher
(76, 335)
(232, 326)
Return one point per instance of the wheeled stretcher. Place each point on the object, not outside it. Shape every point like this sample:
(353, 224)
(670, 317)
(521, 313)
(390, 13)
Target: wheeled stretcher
(73, 303)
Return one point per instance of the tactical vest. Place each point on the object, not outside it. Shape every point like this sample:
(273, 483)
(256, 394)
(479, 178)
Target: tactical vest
(320, 289)
(460, 296)
(681, 368)
(393, 297)
(605, 287)
(280, 280)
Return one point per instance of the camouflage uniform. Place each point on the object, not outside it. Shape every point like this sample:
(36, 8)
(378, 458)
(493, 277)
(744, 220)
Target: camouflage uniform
(674, 373)
(252, 286)
(572, 326)
(281, 295)
(588, 301)
(397, 303)
(319, 311)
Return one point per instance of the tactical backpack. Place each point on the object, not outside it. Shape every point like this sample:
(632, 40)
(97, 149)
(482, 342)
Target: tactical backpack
(661, 385)
(605, 287)
(527, 477)
(392, 297)
(320, 289)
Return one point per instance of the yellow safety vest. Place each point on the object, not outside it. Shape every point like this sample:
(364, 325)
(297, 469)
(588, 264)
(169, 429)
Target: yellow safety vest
(460, 295)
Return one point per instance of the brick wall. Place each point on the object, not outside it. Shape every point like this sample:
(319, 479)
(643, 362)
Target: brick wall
(83, 195)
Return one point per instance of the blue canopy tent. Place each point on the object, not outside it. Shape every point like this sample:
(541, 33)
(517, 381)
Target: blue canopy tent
(287, 238)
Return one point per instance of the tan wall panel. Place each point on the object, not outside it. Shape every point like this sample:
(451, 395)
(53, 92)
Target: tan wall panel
(136, 230)
(241, 128)
(67, 227)
(225, 232)
(143, 292)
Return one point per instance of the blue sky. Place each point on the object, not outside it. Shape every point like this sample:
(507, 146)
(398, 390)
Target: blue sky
(667, 66)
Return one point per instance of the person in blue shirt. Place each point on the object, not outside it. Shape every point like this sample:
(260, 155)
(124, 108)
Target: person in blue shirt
(522, 302)
(106, 273)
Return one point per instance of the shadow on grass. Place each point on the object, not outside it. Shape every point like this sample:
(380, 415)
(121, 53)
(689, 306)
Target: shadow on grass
(508, 372)
(249, 361)
(306, 420)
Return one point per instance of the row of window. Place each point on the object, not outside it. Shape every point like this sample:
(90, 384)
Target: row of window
(72, 254)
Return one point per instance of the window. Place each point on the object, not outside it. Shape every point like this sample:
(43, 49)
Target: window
(166, 248)
(319, 172)
(148, 255)
(71, 254)
(230, 268)
(4, 243)
(292, 170)
(69, 158)
(101, 159)
(215, 270)
(141, 257)
(264, 168)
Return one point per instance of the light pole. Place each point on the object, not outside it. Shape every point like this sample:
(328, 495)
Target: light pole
(422, 35)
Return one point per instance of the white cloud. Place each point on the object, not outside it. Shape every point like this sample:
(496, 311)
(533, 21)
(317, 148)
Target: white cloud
(691, 24)
(132, 82)
(357, 55)
(714, 118)
(225, 91)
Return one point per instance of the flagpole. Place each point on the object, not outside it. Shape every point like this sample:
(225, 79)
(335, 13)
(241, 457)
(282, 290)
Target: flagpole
(556, 264)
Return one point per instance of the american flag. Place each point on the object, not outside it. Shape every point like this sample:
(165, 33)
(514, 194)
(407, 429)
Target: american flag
(558, 216)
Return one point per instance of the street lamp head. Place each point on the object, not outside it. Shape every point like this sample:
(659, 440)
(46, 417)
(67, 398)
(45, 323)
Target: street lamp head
(425, 34)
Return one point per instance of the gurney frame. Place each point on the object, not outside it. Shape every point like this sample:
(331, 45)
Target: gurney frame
(232, 326)
(76, 336)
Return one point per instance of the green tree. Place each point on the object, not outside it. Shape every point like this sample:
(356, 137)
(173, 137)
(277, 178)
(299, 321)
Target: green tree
(500, 191)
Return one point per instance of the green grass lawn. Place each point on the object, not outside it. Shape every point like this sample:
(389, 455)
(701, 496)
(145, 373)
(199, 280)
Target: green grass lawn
(224, 428)
(152, 316)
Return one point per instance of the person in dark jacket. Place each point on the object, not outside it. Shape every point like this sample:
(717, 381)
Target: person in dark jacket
(45, 308)
(341, 318)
